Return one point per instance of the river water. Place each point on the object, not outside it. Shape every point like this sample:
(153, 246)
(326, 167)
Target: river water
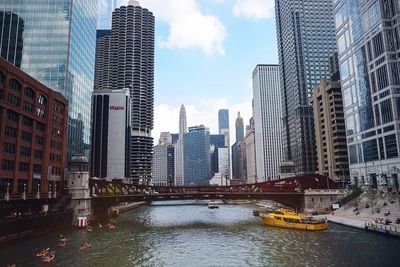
(190, 234)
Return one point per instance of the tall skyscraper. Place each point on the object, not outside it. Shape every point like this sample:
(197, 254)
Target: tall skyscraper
(306, 39)
(110, 134)
(197, 156)
(267, 119)
(239, 168)
(223, 120)
(217, 141)
(11, 30)
(368, 47)
(58, 40)
(130, 64)
(179, 149)
(239, 126)
(251, 162)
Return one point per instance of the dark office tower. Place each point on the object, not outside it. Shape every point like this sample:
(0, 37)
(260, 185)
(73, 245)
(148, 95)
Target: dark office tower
(239, 128)
(11, 30)
(59, 40)
(306, 39)
(130, 64)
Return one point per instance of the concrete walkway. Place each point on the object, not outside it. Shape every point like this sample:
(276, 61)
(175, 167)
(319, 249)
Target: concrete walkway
(357, 223)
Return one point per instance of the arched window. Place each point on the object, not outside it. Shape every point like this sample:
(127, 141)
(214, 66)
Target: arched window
(15, 85)
(29, 93)
(42, 100)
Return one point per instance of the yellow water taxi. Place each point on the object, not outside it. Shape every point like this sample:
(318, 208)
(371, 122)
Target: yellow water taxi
(290, 219)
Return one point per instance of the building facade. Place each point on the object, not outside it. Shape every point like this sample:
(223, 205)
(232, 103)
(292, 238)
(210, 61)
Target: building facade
(58, 40)
(368, 37)
(110, 134)
(197, 156)
(33, 133)
(126, 60)
(330, 131)
(179, 149)
(163, 166)
(11, 30)
(251, 162)
(223, 128)
(239, 127)
(306, 39)
(217, 141)
(267, 119)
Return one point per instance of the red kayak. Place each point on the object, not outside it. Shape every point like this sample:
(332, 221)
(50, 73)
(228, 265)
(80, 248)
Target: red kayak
(48, 259)
(43, 252)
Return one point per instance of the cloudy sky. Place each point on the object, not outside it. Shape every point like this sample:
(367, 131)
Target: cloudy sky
(206, 51)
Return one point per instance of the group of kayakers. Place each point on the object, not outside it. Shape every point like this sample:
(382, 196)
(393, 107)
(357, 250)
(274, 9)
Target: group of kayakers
(48, 256)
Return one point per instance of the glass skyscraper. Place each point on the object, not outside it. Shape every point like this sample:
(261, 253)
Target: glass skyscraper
(197, 156)
(368, 37)
(306, 40)
(58, 40)
(223, 120)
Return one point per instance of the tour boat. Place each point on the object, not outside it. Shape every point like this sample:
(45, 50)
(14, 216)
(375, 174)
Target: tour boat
(213, 205)
(290, 219)
(43, 252)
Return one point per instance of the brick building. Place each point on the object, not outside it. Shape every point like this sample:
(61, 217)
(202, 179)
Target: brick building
(33, 133)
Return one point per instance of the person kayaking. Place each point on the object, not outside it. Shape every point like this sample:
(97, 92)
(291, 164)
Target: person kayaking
(49, 258)
(85, 246)
(43, 252)
(62, 238)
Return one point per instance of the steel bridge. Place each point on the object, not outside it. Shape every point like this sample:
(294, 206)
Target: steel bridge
(289, 191)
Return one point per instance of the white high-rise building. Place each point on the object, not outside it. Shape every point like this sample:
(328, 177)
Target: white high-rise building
(179, 157)
(267, 119)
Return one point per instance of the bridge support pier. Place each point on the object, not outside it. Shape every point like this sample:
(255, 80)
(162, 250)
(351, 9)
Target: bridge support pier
(78, 187)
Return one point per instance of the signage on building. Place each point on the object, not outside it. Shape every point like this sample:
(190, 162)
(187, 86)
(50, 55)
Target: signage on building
(117, 107)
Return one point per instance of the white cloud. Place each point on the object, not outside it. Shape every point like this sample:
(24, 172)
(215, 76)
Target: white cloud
(189, 27)
(254, 9)
(206, 113)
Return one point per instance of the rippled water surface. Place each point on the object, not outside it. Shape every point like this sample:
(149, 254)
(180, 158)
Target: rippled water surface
(193, 235)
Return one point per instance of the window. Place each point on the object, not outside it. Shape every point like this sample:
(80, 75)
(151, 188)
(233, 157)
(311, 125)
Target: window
(37, 168)
(40, 126)
(40, 113)
(10, 132)
(386, 111)
(9, 148)
(2, 77)
(38, 154)
(377, 42)
(370, 150)
(26, 136)
(27, 122)
(28, 107)
(12, 116)
(15, 85)
(391, 146)
(42, 100)
(382, 78)
(7, 165)
(29, 93)
(23, 167)
(25, 151)
(13, 100)
(39, 140)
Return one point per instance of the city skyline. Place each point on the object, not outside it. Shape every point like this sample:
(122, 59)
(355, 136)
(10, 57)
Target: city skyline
(203, 80)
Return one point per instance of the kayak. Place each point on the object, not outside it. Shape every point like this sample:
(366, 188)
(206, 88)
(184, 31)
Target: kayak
(48, 259)
(43, 252)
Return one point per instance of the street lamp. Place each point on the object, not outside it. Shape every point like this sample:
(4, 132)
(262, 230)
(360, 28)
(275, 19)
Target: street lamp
(7, 197)
(24, 193)
(38, 192)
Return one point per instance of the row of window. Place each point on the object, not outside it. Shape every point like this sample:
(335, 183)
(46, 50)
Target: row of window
(55, 157)
(14, 117)
(23, 166)
(12, 133)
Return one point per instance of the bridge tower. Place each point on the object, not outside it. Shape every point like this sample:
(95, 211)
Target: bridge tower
(78, 187)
